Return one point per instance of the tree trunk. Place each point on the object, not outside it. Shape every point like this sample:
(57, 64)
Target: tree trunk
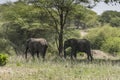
(61, 41)
(60, 48)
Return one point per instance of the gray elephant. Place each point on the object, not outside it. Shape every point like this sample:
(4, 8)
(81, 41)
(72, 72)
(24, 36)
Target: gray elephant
(78, 45)
(36, 46)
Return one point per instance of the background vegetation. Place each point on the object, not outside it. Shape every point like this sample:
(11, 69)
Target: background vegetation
(23, 21)
(105, 38)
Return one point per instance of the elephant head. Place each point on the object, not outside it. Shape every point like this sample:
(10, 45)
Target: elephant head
(68, 43)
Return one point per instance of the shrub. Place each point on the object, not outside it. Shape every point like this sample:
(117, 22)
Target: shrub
(3, 59)
(98, 36)
(105, 38)
(112, 45)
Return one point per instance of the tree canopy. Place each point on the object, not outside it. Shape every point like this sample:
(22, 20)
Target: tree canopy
(111, 17)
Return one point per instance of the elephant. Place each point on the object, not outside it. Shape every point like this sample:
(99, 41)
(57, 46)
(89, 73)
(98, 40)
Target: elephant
(36, 46)
(78, 45)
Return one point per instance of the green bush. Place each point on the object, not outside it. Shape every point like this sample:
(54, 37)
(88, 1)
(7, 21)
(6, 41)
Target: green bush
(3, 59)
(105, 38)
(112, 45)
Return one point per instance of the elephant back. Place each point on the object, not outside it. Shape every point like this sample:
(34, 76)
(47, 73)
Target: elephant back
(83, 44)
(41, 41)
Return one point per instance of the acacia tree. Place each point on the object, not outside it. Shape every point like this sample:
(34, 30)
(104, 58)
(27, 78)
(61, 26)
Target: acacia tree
(111, 17)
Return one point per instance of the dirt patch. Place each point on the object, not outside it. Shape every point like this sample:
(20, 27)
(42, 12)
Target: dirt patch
(101, 55)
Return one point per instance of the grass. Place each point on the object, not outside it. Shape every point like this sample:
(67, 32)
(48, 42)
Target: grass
(58, 69)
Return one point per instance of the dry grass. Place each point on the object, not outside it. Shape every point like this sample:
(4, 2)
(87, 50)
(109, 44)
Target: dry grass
(58, 69)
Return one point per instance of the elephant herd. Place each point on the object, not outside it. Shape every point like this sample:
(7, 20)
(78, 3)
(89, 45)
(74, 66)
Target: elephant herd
(38, 46)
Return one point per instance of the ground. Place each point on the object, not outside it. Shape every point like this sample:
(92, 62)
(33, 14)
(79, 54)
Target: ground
(18, 68)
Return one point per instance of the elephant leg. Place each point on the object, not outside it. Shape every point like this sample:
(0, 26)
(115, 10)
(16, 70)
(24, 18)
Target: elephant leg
(65, 54)
(33, 53)
(71, 56)
(26, 52)
(89, 55)
(26, 55)
(44, 52)
(38, 55)
(33, 56)
(75, 55)
(72, 53)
